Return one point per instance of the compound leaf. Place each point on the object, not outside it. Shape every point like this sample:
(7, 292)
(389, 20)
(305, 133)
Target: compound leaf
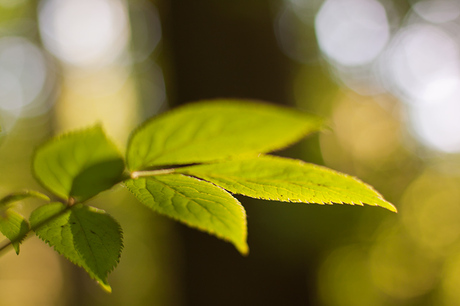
(79, 164)
(14, 227)
(197, 203)
(214, 130)
(288, 180)
(85, 235)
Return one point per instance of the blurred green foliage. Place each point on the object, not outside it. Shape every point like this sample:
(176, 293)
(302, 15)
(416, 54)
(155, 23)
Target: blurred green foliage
(303, 255)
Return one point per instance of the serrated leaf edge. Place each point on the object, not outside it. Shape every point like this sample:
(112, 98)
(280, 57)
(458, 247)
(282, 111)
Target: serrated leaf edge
(67, 135)
(243, 249)
(101, 283)
(16, 242)
(387, 205)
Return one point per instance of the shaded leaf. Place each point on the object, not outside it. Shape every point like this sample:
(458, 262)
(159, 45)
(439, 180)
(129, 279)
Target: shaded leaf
(288, 180)
(14, 227)
(10, 199)
(196, 203)
(12, 224)
(79, 164)
(85, 235)
(214, 130)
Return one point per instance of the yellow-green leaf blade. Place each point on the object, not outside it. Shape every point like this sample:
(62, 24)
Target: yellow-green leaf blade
(79, 164)
(196, 203)
(288, 180)
(214, 130)
(14, 227)
(85, 235)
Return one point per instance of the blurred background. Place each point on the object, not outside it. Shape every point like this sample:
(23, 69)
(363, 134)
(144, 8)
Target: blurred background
(386, 75)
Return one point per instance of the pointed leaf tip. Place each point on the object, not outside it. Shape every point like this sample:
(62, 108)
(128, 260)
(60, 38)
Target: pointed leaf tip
(14, 227)
(85, 235)
(196, 203)
(287, 180)
(105, 287)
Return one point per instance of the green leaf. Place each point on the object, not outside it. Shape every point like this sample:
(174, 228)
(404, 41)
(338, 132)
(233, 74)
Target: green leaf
(85, 235)
(288, 180)
(12, 224)
(214, 130)
(79, 164)
(10, 199)
(196, 203)
(14, 227)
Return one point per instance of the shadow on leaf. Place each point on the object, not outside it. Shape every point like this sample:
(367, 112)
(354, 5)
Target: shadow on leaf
(96, 178)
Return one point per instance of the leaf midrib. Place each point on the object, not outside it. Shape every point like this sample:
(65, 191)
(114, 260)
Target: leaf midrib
(206, 209)
(272, 183)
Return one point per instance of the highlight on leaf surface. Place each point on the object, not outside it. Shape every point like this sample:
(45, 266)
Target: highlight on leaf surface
(87, 236)
(196, 203)
(79, 164)
(213, 130)
(288, 180)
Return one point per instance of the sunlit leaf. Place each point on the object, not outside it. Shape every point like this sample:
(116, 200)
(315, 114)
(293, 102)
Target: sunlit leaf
(214, 130)
(196, 203)
(79, 164)
(85, 235)
(14, 227)
(288, 180)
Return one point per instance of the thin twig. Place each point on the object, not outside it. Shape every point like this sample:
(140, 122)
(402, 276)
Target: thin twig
(137, 174)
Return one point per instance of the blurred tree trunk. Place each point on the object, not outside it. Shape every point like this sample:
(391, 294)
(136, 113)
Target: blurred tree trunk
(222, 49)
(216, 49)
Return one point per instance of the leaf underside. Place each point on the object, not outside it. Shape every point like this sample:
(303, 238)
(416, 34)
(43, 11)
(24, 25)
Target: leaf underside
(79, 164)
(85, 235)
(215, 130)
(288, 180)
(14, 227)
(8, 201)
(12, 224)
(196, 203)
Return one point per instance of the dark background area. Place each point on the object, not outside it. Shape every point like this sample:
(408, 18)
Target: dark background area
(229, 50)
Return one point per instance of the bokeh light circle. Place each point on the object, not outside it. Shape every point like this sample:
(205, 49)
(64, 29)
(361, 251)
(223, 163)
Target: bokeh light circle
(84, 32)
(352, 32)
(23, 73)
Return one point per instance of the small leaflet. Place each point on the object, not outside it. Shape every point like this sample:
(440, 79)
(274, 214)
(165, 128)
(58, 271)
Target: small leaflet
(85, 235)
(195, 203)
(79, 164)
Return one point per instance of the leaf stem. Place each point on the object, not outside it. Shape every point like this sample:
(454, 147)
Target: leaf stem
(137, 174)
